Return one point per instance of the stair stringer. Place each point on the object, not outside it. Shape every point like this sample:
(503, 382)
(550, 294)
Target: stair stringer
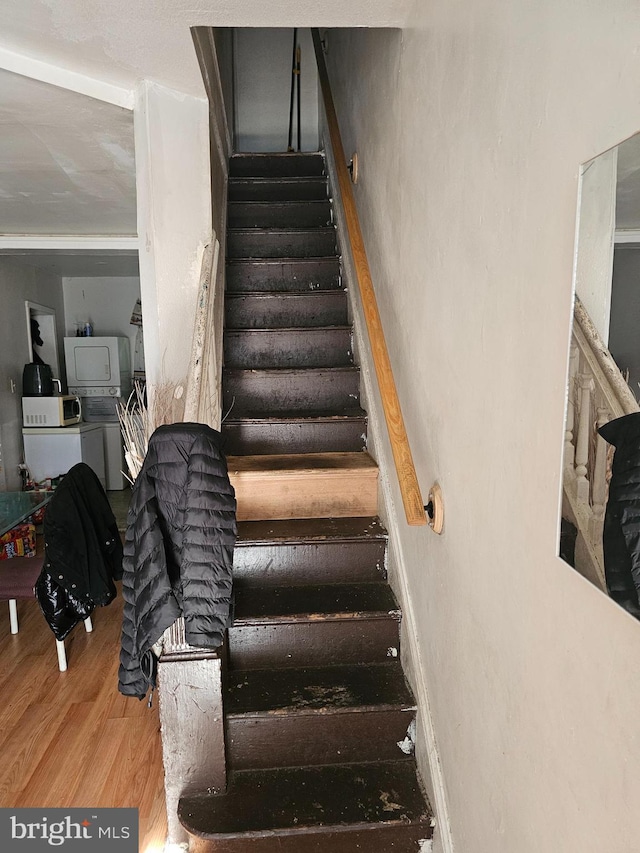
(391, 512)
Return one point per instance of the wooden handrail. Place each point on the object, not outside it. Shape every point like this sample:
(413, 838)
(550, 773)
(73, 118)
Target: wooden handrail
(623, 394)
(409, 488)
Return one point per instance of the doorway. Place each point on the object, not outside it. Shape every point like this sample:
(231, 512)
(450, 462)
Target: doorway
(46, 328)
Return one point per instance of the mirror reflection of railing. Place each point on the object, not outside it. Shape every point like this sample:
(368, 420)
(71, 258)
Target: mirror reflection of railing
(597, 394)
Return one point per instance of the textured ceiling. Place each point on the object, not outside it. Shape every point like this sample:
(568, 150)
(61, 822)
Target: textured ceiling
(121, 42)
(66, 162)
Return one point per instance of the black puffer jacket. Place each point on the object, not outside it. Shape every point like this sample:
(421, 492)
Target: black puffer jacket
(621, 536)
(83, 551)
(178, 554)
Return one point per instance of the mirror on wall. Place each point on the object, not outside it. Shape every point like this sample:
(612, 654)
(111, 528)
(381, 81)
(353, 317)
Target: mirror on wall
(42, 336)
(600, 525)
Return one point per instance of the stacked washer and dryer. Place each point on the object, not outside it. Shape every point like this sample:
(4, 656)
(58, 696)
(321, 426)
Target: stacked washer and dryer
(99, 372)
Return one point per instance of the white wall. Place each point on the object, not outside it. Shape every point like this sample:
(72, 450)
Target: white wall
(17, 284)
(624, 337)
(174, 224)
(262, 60)
(107, 302)
(471, 126)
(596, 229)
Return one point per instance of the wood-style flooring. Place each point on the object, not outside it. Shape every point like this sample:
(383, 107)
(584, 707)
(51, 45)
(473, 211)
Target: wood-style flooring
(69, 739)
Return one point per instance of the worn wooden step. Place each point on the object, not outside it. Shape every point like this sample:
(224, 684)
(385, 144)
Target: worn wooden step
(327, 715)
(349, 808)
(256, 601)
(305, 485)
(318, 390)
(329, 346)
(259, 165)
(309, 433)
(285, 310)
(283, 275)
(279, 214)
(311, 626)
(309, 641)
(281, 242)
(277, 189)
(309, 551)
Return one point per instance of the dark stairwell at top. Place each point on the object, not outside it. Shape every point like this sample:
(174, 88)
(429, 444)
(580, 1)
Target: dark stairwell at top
(317, 708)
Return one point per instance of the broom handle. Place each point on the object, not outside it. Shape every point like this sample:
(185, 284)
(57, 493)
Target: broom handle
(298, 58)
(293, 83)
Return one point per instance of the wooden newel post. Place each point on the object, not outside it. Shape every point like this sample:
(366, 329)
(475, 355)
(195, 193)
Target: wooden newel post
(191, 721)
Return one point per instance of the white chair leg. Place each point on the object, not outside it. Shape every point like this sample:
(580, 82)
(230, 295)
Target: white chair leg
(13, 615)
(88, 625)
(62, 656)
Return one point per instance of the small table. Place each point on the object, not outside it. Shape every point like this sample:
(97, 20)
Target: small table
(16, 506)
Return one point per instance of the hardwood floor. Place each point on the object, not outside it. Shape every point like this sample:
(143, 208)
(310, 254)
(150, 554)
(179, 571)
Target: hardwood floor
(69, 739)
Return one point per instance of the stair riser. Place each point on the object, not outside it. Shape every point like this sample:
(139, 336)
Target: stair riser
(248, 438)
(319, 642)
(258, 391)
(334, 493)
(378, 838)
(294, 740)
(309, 563)
(276, 165)
(255, 243)
(293, 214)
(283, 276)
(307, 189)
(294, 348)
(286, 310)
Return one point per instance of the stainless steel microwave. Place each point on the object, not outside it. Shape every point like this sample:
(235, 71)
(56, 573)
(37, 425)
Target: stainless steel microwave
(57, 411)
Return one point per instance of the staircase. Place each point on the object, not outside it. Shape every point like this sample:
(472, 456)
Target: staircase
(317, 709)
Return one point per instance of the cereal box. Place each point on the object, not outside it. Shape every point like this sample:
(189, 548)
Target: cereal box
(20, 541)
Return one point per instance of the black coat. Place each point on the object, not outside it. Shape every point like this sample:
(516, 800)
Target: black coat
(83, 551)
(178, 554)
(621, 535)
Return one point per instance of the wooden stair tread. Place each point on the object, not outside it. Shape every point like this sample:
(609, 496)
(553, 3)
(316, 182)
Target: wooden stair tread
(285, 295)
(279, 179)
(299, 530)
(293, 164)
(296, 416)
(292, 259)
(327, 260)
(266, 203)
(318, 601)
(284, 275)
(304, 485)
(260, 803)
(322, 689)
(276, 330)
(287, 229)
(282, 371)
(307, 463)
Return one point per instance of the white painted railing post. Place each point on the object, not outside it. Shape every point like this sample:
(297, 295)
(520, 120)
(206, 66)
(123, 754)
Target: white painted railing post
(599, 482)
(586, 385)
(569, 449)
